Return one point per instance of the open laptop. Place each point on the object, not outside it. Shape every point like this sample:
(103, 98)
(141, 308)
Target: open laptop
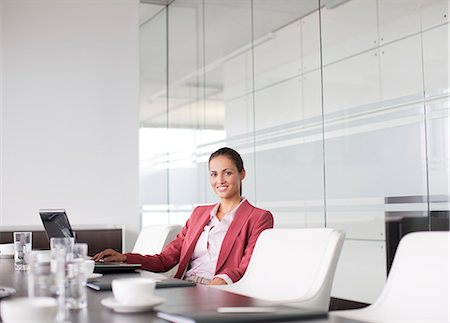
(57, 225)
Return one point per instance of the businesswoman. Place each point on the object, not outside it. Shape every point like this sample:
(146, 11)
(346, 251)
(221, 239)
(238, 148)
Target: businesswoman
(216, 243)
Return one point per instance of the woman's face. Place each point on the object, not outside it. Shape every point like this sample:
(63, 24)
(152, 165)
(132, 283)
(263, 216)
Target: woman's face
(225, 178)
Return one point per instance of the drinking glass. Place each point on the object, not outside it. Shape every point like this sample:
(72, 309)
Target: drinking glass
(41, 282)
(76, 297)
(61, 250)
(22, 249)
(65, 244)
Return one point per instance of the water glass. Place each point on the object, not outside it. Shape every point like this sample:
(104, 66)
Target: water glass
(61, 254)
(76, 297)
(41, 282)
(61, 251)
(22, 250)
(65, 244)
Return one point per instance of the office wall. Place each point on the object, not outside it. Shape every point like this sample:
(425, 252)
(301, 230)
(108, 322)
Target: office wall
(69, 123)
(341, 114)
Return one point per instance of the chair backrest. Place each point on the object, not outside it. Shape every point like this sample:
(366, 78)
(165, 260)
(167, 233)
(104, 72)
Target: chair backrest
(153, 238)
(293, 266)
(417, 288)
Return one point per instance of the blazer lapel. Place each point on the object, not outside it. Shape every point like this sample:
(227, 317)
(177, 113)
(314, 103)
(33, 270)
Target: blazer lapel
(239, 220)
(197, 229)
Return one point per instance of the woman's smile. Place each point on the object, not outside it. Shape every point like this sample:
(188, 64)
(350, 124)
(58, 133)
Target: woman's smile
(225, 178)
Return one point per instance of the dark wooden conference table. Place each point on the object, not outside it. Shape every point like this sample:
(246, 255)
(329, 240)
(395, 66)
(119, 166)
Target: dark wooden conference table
(198, 298)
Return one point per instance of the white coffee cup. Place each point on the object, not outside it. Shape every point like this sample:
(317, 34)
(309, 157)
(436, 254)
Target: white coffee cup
(7, 249)
(43, 255)
(89, 266)
(29, 309)
(133, 291)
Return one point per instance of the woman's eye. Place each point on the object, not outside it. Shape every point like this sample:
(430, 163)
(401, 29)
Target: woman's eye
(212, 174)
(228, 173)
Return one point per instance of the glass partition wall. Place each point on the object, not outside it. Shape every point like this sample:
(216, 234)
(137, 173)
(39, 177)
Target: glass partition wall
(155, 140)
(340, 110)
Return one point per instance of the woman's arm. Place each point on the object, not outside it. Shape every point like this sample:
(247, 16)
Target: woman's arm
(163, 261)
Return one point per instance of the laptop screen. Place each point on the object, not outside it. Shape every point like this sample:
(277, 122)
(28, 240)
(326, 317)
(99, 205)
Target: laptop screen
(56, 223)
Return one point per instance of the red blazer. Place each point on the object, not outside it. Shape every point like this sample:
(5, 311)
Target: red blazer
(236, 250)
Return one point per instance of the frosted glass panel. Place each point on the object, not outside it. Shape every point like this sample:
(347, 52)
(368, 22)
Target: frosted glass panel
(286, 97)
(377, 156)
(286, 40)
(301, 163)
(185, 39)
(398, 18)
(351, 82)
(288, 136)
(295, 100)
(359, 218)
(278, 58)
(435, 57)
(272, 15)
(226, 53)
(438, 135)
(292, 183)
(239, 119)
(311, 84)
(304, 214)
(186, 103)
(224, 40)
(434, 12)
(362, 263)
(153, 68)
(238, 75)
(225, 47)
(153, 173)
(186, 109)
(310, 40)
(402, 77)
(348, 29)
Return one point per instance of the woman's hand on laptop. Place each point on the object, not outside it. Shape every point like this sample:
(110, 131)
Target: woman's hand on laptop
(110, 255)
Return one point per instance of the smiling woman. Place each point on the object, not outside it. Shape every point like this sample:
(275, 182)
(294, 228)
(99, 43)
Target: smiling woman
(216, 243)
(227, 171)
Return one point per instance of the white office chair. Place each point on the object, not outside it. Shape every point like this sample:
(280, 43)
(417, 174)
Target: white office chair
(153, 238)
(293, 267)
(417, 287)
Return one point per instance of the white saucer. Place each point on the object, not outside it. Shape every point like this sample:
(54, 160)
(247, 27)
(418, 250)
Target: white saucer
(111, 302)
(94, 276)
